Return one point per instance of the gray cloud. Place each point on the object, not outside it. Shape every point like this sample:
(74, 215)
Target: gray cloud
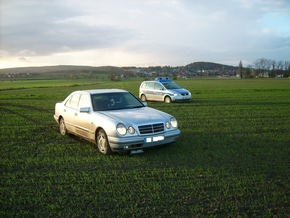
(46, 28)
(170, 32)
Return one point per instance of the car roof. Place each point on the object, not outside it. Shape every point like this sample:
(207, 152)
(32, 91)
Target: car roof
(102, 91)
(160, 79)
(163, 79)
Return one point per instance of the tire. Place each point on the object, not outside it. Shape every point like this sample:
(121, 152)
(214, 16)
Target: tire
(167, 99)
(103, 143)
(62, 127)
(143, 98)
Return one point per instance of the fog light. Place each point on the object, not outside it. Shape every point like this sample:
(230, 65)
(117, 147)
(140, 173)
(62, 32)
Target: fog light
(167, 124)
(131, 130)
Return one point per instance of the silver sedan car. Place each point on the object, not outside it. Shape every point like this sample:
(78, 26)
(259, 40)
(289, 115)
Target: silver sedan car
(115, 120)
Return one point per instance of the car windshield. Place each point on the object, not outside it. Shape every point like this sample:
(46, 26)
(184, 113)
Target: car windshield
(115, 101)
(171, 85)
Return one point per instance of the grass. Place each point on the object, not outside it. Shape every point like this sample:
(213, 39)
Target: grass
(232, 158)
(24, 84)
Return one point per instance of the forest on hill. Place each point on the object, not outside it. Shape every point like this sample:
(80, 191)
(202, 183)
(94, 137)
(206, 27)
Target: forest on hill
(261, 68)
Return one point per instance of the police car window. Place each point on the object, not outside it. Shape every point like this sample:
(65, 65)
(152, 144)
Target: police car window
(158, 86)
(171, 85)
(150, 85)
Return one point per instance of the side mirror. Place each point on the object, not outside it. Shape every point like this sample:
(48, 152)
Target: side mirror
(84, 109)
(145, 103)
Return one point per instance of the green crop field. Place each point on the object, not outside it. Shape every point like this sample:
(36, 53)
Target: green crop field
(231, 160)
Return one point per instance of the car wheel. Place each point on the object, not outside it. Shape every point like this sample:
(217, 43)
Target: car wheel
(167, 99)
(143, 98)
(62, 127)
(102, 142)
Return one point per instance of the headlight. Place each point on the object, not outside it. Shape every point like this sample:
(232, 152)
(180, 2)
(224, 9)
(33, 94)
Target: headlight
(121, 129)
(131, 130)
(167, 124)
(173, 122)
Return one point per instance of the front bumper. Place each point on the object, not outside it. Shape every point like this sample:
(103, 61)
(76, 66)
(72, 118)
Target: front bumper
(139, 142)
(181, 98)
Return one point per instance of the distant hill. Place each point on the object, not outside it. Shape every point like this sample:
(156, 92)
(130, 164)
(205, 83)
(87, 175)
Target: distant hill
(70, 68)
(74, 72)
(199, 66)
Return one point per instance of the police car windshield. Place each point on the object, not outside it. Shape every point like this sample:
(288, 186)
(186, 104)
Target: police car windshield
(171, 85)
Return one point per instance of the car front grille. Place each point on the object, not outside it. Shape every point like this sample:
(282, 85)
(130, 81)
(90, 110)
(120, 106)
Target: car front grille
(152, 128)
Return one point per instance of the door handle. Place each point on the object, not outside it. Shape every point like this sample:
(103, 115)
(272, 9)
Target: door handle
(76, 114)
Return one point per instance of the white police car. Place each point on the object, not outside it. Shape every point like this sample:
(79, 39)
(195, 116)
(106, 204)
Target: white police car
(163, 89)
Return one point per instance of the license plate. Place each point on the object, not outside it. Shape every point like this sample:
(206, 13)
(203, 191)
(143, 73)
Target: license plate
(154, 139)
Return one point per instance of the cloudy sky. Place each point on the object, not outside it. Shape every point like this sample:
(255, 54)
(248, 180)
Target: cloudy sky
(142, 32)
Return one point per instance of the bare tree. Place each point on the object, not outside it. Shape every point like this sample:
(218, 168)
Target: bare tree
(263, 66)
(240, 70)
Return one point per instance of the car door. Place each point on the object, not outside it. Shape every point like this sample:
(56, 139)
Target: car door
(149, 90)
(84, 124)
(158, 92)
(70, 111)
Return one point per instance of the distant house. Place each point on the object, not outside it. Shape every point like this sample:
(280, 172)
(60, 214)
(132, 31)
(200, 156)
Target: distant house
(263, 75)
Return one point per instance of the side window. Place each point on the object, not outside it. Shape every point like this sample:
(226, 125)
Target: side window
(150, 85)
(84, 101)
(158, 86)
(73, 101)
(68, 102)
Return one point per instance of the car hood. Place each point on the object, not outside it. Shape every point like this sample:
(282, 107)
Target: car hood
(180, 91)
(137, 116)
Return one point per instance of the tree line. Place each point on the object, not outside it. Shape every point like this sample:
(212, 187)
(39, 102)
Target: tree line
(264, 67)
